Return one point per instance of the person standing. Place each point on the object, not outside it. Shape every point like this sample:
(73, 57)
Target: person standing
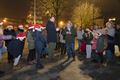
(9, 31)
(111, 33)
(20, 29)
(62, 43)
(2, 48)
(51, 37)
(88, 36)
(70, 34)
(15, 47)
(40, 44)
(31, 44)
(79, 37)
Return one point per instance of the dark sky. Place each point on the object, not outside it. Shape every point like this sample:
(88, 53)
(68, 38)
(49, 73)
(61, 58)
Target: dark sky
(19, 8)
(14, 8)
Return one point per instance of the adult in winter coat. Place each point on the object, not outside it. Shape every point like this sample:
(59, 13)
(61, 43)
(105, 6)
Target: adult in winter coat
(70, 34)
(87, 37)
(9, 31)
(40, 44)
(19, 30)
(15, 47)
(51, 37)
(31, 44)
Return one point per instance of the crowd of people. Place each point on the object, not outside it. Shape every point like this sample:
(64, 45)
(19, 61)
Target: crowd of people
(43, 40)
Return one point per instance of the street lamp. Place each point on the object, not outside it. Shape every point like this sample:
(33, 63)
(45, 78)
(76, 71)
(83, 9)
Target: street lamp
(61, 23)
(5, 20)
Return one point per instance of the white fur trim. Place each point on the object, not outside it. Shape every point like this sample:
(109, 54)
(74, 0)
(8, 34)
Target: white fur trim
(31, 27)
(38, 29)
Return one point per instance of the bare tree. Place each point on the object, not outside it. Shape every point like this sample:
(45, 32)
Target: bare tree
(85, 13)
(46, 8)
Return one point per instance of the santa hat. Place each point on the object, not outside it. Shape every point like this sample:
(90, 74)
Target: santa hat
(39, 27)
(20, 26)
(31, 26)
(21, 35)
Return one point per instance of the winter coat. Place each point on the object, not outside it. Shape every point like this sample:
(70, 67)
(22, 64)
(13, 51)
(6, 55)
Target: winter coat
(30, 40)
(101, 43)
(87, 38)
(15, 48)
(94, 43)
(69, 37)
(51, 32)
(110, 42)
(80, 35)
(23, 42)
(40, 42)
(9, 32)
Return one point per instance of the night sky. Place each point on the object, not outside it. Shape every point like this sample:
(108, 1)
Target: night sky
(14, 8)
(19, 8)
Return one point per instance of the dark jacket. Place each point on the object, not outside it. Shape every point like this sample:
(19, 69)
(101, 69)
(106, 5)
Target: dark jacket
(51, 32)
(117, 36)
(69, 37)
(23, 42)
(9, 32)
(110, 42)
(15, 48)
(40, 42)
(88, 37)
(101, 43)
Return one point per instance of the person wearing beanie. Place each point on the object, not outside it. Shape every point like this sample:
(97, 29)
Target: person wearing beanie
(16, 49)
(9, 31)
(31, 44)
(40, 44)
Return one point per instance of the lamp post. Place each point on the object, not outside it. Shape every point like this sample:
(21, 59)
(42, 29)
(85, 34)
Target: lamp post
(34, 11)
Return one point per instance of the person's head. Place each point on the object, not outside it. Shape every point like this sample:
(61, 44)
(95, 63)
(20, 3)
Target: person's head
(69, 24)
(52, 19)
(9, 27)
(20, 26)
(79, 28)
(108, 24)
(88, 30)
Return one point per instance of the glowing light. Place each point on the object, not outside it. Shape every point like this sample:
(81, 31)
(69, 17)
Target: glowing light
(5, 20)
(61, 23)
(112, 19)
